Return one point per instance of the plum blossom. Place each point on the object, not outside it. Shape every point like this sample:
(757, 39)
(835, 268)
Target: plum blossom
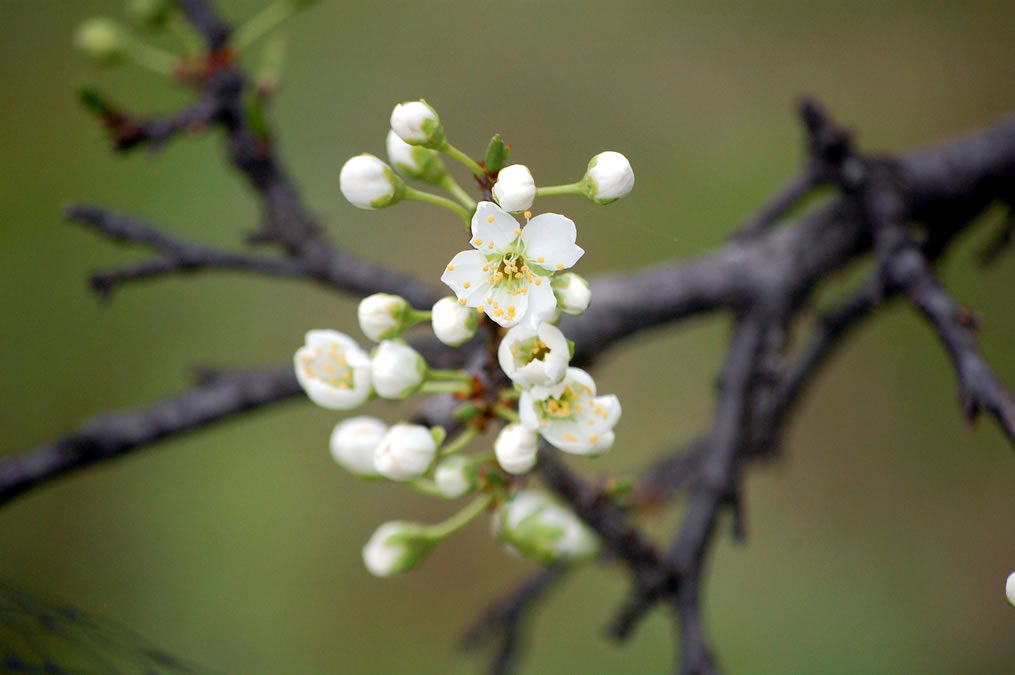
(570, 416)
(508, 274)
(333, 370)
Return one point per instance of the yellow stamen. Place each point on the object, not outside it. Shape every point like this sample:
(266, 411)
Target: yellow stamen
(451, 268)
(568, 437)
(541, 259)
(528, 215)
(477, 241)
(490, 246)
(462, 302)
(518, 232)
(489, 219)
(560, 266)
(481, 308)
(593, 438)
(466, 284)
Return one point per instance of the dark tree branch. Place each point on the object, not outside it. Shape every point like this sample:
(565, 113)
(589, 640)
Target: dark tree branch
(118, 434)
(504, 620)
(337, 270)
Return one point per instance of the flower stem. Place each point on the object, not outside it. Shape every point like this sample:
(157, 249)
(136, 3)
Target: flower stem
(461, 442)
(456, 190)
(550, 190)
(261, 23)
(411, 193)
(425, 487)
(507, 413)
(459, 156)
(152, 58)
(445, 388)
(436, 374)
(460, 519)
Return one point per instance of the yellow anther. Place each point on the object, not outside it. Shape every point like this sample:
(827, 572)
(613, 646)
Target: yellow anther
(486, 268)
(518, 275)
(489, 219)
(592, 422)
(481, 308)
(538, 282)
(490, 246)
(528, 215)
(569, 437)
(462, 302)
(540, 259)
(560, 266)
(451, 268)
(525, 268)
(518, 232)
(542, 421)
(477, 241)
(593, 438)
(466, 284)
(498, 312)
(344, 361)
(307, 371)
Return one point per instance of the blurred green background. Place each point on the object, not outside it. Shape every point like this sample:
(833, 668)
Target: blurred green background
(879, 544)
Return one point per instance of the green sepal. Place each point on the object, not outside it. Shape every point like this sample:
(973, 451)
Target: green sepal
(570, 349)
(439, 434)
(496, 154)
(467, 411)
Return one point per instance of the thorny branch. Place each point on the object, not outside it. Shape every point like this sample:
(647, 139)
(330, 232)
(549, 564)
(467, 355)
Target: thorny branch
(764, 279)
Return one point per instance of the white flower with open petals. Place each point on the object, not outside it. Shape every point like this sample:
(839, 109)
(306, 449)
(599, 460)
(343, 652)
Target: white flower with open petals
(333, 370)
(534, 356)
(508, 274)
(571, 417)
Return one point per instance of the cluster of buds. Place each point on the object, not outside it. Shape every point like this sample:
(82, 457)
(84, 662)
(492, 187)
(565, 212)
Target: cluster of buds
(514, 280)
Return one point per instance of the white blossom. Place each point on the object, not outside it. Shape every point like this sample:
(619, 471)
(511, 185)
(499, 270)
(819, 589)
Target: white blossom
(380, 315)
(570, 416)
(1009, 588)
(515, 448)
(508, 274)
(515, 188)
(609, 177)
(354, 443)
(455, 476)
(417, 123)
(572, 292)
(398, 370)
(333, 370)
(534, 356)
(453, 324)
(369, 183)
(395, 547)
(537, 527)
(405, 452)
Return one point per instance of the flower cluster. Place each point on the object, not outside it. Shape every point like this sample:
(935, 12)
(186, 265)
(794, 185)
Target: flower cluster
(513, 281)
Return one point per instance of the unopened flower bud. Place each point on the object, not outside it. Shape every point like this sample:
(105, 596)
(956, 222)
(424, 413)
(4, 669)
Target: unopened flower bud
(397, 546)
(455, 476)
(405, 452)
(382, 316)
(354, 443)
(1009, 588)
(516, 448)
(369, 183)
(572, 292)
(101, 39)
(538, 528)
(417, 123)
(608, 178)
(453, 323)
(398, 370)
(515, 189)
(415, 161)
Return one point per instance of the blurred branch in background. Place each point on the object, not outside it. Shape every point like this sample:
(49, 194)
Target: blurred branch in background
(763, 279)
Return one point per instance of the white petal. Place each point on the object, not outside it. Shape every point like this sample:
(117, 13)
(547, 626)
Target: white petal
(492, 224)
(527, 410)
(551, 236)
(467, 268)
(542, 302)
(576, 377)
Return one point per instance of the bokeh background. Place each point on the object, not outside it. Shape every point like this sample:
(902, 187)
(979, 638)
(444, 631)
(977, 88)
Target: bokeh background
(880, 543)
